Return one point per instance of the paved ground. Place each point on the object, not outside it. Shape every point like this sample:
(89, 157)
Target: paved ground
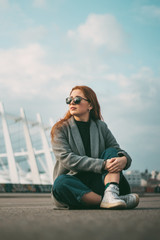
(25, 216)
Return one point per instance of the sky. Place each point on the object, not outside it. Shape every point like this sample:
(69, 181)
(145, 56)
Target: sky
(49, 46)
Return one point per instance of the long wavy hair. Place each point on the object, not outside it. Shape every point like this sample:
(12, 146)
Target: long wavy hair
(95, 112)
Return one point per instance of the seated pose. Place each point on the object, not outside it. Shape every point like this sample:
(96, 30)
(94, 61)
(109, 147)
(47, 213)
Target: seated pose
(89, 161)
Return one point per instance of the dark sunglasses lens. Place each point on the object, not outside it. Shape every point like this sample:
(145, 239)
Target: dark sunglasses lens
(77, 100)
(68, 100)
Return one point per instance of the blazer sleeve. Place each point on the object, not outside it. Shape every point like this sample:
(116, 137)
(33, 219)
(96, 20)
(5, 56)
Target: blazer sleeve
(110, 141)
(69, 159)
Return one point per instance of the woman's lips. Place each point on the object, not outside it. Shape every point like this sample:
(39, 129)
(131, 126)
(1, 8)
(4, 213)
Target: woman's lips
(72, 108)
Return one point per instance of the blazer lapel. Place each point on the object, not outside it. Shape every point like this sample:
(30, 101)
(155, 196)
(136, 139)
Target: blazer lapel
(94, 139)
(76, 136)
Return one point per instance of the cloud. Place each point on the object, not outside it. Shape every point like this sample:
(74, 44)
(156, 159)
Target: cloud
(151, 11)
(138, 91)
(101, 31)
(130, 106)
(121, 79)
(39, 3)
(33, 34)
(4, 4)
(24, 73)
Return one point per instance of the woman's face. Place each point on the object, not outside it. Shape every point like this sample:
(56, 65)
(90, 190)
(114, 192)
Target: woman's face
(79, 111)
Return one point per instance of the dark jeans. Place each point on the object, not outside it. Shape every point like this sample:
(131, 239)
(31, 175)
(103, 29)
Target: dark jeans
(69, 189)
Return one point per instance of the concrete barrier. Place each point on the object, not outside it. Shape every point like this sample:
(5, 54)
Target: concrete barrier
(24, 188)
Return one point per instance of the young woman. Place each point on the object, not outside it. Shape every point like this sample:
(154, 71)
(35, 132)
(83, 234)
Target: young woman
(89, 161)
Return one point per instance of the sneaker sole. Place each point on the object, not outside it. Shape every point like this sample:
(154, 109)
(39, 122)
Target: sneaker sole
(118, 205)
(136, 203)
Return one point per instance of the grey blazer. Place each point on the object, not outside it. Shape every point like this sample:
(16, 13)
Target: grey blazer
(70, 153)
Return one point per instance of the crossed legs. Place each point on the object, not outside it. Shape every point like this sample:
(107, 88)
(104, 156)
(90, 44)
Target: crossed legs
(92, 198)
(87, 189)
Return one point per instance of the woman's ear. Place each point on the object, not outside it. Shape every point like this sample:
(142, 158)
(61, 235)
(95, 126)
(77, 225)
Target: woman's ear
(90, 107)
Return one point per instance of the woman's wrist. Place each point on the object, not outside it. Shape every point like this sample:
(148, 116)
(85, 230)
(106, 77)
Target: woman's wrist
(124, 158)
(104, 165)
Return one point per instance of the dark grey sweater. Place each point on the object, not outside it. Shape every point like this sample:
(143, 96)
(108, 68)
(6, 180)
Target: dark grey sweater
(84, 129)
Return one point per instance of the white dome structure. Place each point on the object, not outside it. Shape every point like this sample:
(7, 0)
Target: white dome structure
(25, 151)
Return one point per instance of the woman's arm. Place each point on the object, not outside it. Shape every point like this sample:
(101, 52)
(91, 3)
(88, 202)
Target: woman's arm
(111, 142)
(69, 159)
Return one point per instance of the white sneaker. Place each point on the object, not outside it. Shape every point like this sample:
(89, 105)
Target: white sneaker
(131, 200)
(111, 198)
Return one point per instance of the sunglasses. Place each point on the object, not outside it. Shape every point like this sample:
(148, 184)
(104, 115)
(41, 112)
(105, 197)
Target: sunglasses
(76, 100)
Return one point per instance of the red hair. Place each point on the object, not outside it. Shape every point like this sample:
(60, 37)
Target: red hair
(95, 112)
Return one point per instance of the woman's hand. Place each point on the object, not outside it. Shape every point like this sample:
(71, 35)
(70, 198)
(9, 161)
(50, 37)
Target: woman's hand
(115, 165)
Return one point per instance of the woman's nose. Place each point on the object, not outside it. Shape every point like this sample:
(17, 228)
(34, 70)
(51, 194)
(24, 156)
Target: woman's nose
(72, 102)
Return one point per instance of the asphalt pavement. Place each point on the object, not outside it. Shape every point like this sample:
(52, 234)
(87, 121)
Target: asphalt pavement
(31, 216)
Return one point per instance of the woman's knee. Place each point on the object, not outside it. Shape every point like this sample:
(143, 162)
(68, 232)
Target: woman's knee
(110, 152)
(60, 182)
(68, 189)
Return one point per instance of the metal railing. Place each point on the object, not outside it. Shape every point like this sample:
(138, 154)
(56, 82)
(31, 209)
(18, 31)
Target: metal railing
(25, 149)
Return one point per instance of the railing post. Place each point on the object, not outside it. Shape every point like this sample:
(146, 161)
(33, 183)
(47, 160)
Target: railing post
(31, 154)
(9, 150)
(46, 148)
